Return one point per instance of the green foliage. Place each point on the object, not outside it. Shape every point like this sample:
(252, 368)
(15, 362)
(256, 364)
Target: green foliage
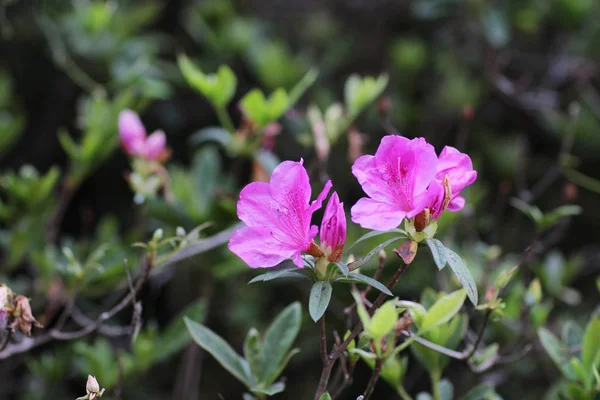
(320, 295)
(218, 88)
(264, 360)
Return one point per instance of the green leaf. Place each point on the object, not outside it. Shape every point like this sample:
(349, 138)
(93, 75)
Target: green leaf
(284, 270)
(556, 351)
(553, 216)
(531, 211)
(298, 90)
(534, 293)
(361, 310)
(353, 277)
(221, 351)
(360, 92)
(176, 336)
(446, 390)
(343, 268)
(438, 252)
(366, 258)
(211, 134)
(480, 392)
(271, 390)
(320, 295)
(218, 88)
(206, 167)
(572, 335)
(443, 310)
(226, 84)
(253, 353)
(383, 321)
(496, 26)
(279, 339)
(325, 396)
(463, 274)
(590, 346)
(371, 234)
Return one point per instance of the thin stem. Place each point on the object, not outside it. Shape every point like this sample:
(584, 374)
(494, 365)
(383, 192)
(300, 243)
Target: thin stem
(402, 393)
(373, 381)
(324, 357)
(440, 349)
(224, 119)
(435, 384)
(488, 313)
(339, 350)
(64, 199)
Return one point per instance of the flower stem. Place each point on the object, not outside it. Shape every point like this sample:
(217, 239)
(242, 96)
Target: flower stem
(339, 350)
(435, 376)
(402, 393)
(224, 119)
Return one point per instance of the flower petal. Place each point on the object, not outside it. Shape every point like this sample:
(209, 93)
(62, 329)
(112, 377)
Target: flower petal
(131, 131)
(257, 247)
(155, 144)
(333, 226)
(254, 206)
(315, 205)
(372, 214)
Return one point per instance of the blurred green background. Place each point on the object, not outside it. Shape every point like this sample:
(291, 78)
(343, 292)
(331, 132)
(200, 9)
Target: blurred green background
(515, 84)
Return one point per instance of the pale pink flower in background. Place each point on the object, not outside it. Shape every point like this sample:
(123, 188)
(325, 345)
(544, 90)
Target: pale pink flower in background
(396, 179)
(333, 229)
(135, 140)
(277, 217)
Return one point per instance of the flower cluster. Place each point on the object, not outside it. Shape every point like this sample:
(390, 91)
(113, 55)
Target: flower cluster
(278, 220)
(404, 179)
(135, 140)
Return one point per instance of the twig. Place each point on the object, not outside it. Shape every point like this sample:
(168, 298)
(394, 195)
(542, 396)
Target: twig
(339, 350)
(67, 191)
(486, 318)
(323, 329)
(373, 381)
(130, 298)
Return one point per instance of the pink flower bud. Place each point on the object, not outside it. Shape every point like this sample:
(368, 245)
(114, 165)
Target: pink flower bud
(333, 229)
(135, 141)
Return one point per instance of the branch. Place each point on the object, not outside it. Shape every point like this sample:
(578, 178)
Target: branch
(374, 378)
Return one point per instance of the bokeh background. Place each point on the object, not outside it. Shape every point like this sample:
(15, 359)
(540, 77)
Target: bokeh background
(515, 84)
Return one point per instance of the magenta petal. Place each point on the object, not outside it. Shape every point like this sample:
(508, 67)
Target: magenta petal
(333, 226)
(372, 214)
(315, 205)
(290, 185)
(457, 204)
(155, 144)
(257, 247)
(254, 206)
(131, 131)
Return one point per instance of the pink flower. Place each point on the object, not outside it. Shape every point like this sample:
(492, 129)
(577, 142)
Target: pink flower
(396, 179)
(134, 139)
(454, 173)
(333, 229)
(277, 217)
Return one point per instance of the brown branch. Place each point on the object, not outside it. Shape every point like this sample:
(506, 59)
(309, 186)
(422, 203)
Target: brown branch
(323, 329)
(373, 381)
(64, 199)
(339, 350)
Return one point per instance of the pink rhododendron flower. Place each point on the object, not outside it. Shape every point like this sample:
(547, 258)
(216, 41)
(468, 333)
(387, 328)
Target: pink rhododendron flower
(134, 139)
(333, 229)
(455, 172)
(396, 179)
(277, 217)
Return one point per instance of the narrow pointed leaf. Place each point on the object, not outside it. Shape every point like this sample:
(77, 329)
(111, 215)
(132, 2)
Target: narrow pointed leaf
(438, 252)
(366, 258)
(320, 295)
(383, 321)
(590, 346)
(463, 274)
(443, 310)
(376, 233)
(278, 340)
(253, 353)
(556, 351)
(220, 350)
(354, 277)
(271, 390)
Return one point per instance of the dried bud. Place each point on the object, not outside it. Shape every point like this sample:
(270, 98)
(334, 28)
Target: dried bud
(407, 251)
(92, 385)
(92, 389)
(315, 250)
(403, 323)
(23, 317)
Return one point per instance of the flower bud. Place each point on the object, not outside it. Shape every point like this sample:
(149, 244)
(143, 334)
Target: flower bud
(92, 385)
